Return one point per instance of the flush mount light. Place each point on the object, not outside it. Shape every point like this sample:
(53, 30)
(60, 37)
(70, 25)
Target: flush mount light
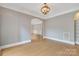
(45, 9)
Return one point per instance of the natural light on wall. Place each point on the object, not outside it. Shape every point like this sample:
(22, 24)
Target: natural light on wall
(35, 31)
(36, 26)
(76, 16)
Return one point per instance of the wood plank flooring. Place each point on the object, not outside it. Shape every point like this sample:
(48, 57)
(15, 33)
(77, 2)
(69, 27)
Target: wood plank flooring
(43, 47)
(0, 52)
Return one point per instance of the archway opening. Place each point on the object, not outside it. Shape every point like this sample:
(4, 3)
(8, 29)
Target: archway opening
(37, 29)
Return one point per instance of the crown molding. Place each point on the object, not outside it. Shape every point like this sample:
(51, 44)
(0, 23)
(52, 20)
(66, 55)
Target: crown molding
(62, 13)
(41, 17)
(21, 11)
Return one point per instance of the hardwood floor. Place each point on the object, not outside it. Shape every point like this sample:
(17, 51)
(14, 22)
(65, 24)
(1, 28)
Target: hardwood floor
(43, 48)
(0, 52)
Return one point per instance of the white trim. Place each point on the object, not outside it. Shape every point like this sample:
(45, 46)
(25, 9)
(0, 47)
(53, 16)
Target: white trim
(64, 41)
(66, 34)
(39, 16)
(14, 44)
(21, 11)
(62, 13)
(77, 43)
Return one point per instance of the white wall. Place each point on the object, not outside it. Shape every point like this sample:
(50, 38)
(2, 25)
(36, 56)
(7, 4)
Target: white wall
(57, 26)
(15, 26)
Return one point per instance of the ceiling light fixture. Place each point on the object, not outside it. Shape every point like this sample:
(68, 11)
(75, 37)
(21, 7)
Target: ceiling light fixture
(45, 9)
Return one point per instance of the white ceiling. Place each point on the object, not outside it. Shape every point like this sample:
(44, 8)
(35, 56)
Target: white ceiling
(34, 8)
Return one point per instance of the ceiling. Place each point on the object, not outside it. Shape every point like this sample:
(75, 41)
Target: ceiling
(34, 8)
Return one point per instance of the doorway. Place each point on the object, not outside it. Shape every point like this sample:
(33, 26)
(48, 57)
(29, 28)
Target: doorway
(37, 29)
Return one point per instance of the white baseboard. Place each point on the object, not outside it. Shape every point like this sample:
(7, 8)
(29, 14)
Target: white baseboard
(14, 44)
(59, 40)
(77, 43)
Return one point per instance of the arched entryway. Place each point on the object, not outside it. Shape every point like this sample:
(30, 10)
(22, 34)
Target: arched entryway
(37, 29)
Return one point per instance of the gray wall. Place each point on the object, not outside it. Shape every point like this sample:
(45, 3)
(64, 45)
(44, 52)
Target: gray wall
(59, 27)
(37, 28)
(0, 29)
(15, 26)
